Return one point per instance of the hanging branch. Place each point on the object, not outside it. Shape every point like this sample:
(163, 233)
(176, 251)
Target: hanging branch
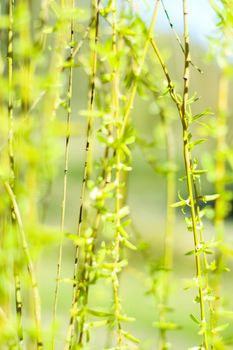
(116, 251)
(66, 168)
(10, 99)
(181, 105)
(164, 270)
(223, 48)
(178, 38)
(84, 279)
(76, 51)
(188, 168)
(78, 47)
(220, 187)
(30, 266)
(169, 231)
(52, 94)
(18, 297)
(140, 67)
(86, 174)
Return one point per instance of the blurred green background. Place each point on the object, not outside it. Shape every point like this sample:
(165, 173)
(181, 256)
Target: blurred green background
(146, 193)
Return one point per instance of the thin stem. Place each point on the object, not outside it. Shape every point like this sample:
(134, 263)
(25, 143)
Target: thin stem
(18, 297)
(78, 47)
(30, 266)
(10, 97)
(177, 37)
(220, 208)
(88, 260)
(18, 304)
(86, 174)
(66, 168)
(115, 106)
(168, 239)
(76, 51)
(139, 69)
(171, 86)
(188, 168)
(182, 110)
(106, 174)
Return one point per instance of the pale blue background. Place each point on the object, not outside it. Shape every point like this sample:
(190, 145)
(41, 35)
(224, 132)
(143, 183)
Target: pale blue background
(202, 19)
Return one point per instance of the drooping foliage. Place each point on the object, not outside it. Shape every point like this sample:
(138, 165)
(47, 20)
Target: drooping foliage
(72, 134)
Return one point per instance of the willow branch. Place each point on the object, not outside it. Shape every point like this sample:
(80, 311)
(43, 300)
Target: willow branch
(182, 110)
(129, 106)
(85, 175)
(178, 38)
(18, 297)
(188, 167)
(66, 168)
(30, 266)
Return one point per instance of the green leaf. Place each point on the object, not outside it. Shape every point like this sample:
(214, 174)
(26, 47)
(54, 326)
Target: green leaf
(102, 138)
(166, 326)
(197, 142)
(124, 211)
(199, 171)
(208, 251)
(126, 318)
(96, 324)
(99, 313)
(122, 231)
(179, 204)
(189, 223)
(220, 328)
(130, 337)
(122, 263)
(191, 252)
(128, 244)
(199, 115)
(209, 198)
(194, 319)
(79, 241)
(130, 140)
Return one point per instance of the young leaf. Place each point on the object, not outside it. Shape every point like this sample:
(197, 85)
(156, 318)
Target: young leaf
(194, 319)
(99, 313)
(131, 337)
(179, 204)
(209, 198)
(166, 326)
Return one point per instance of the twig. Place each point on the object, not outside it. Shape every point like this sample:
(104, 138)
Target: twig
(86, 174)
(66, 165)
(178, 38)
(139, 69)
(18, 297)
(182, 110)
(30, 266)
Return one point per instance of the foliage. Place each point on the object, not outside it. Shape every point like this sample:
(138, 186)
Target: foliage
(49, 49)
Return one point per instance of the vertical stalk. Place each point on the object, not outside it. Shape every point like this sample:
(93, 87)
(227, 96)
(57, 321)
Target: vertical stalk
(30, 266)
(18, 298)
(86, 173)
(106, 173)
(220, 208)
(182, 110)
(18, 301)
(139, 69)
(189, 174)
(66, 168)
(118, 176)
(88, 260)
(115, 107)
(10, 97)
(168, 239)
